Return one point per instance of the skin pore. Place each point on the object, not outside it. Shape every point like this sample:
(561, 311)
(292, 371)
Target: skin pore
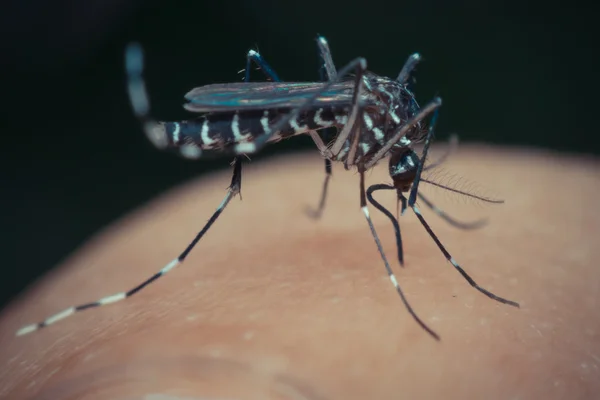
(272, 304)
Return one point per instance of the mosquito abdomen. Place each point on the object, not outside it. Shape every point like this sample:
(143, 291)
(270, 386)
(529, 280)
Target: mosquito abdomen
(222, 130)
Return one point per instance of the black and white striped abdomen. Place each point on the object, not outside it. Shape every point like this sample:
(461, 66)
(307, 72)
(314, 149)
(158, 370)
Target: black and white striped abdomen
(222, 130)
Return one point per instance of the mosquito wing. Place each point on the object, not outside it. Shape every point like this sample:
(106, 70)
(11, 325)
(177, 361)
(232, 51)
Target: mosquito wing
(265, 95)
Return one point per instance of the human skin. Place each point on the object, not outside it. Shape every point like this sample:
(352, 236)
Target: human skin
(272, 304)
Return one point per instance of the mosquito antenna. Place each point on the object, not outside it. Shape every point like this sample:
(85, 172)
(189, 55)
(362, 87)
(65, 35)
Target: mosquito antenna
(462, 192)
(388, 269)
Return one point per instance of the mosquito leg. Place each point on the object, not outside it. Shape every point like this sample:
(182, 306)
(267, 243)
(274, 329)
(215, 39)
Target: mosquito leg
(262, 64)
(141, 107)
(234, 189)
(254, 56)
(359, 65)
(355, 112)
(411, 203)
(400, 204)
(327, 72)
(408, 67)
(377, 205)
(316, 213)
(365, 210)
(138, 96)
(328, 67)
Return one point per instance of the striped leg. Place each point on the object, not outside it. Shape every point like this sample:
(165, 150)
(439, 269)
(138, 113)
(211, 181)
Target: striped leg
(327, 69)
(365, 210)
(408, 67)
(355, 113)
(234, 189)
(262, 65)
(359, 65)
(411, 203)
(140, 104)
(385, 211)
(402, 201)
(327, 72)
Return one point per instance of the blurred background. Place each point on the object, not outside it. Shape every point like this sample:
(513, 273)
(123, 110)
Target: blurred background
(75, 159)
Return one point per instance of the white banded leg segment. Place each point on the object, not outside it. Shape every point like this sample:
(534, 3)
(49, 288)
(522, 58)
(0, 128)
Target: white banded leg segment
(456, 265)
(27, 329)
(326, 57)
(365, 211)
(408, 67)
(394, 281)
(392, 277)
(157, 132)
(48, 321)
(114, 298)
(170, 266)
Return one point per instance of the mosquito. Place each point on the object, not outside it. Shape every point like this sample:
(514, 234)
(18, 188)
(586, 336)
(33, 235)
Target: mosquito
(373, 117)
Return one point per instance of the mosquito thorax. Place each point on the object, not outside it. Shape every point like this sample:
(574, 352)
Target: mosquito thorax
(403, 168)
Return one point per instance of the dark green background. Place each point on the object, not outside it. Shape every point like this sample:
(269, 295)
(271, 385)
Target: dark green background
(74, 159)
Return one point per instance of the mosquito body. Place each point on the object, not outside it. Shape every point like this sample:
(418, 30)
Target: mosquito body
(386, 106)
(374, 117)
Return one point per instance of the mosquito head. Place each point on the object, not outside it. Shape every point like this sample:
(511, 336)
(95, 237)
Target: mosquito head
(403, 168)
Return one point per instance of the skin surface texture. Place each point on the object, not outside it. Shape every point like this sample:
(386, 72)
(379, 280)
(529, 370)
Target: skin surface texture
(274, 305)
